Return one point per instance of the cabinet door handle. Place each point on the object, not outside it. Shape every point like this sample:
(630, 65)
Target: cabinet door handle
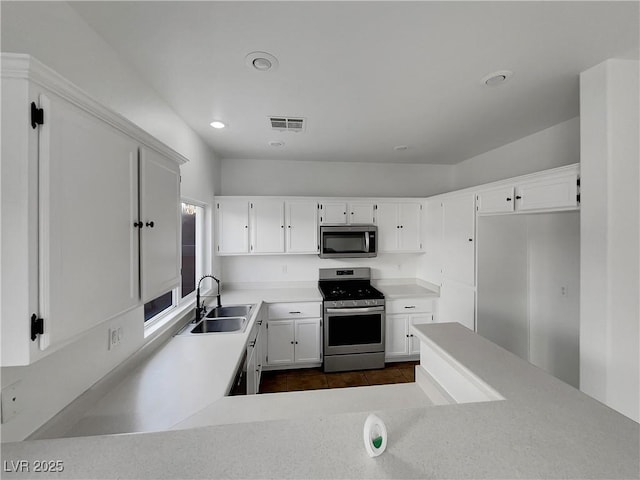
(518, 197)
(296, 343)
(291, 342)
(508, 199)
(292, 313)
(150, 224)
(471, 239)
(410, 306)
(138, 224)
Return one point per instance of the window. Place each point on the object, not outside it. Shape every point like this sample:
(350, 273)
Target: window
(158, 305)
(192, 247)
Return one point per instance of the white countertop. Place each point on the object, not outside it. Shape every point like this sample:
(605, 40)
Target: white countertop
(543, 429)
(188, 374)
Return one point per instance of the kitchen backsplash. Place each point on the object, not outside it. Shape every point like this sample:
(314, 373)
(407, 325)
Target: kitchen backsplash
(304, 268)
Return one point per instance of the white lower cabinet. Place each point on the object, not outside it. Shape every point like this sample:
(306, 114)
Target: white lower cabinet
(294, 338)
(400, 341)
(256, 354)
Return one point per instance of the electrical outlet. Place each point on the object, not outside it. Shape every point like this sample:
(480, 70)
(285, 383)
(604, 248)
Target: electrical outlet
(116, 335)
(11, 401)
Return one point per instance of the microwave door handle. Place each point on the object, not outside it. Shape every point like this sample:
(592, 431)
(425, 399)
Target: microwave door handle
(366, 242)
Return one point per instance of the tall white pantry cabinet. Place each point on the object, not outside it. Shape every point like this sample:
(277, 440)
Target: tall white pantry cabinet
(90, 213)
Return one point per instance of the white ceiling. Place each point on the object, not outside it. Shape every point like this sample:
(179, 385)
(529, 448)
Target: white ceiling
(367, 76)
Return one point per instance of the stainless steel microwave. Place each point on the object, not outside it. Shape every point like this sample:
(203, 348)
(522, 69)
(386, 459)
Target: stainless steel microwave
(348, 241)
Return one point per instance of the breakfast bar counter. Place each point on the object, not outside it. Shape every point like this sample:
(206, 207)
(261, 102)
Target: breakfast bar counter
(543, 428)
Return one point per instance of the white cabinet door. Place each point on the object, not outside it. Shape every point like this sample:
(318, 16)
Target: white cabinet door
(267, 226)
(410, 231)
(458, 236)
(417, 319)
(252, 371)
(302, 227)
(555, 191)
(88, 196)
(396, 336)
(497, 200)
(388, 226)
(160, 214)
(360, 213)
(307, 340)
(433, 262)
(232, 226)
(333, 213)
(457, 304)
(280, 342)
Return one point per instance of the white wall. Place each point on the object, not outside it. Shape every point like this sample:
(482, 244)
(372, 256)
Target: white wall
(53, 33)
(610, 239)
(529, 288)
(341, 179)
(553, 147)
(304, 268)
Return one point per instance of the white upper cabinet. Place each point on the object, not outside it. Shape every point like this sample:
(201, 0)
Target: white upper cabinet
(87, 199)
(410, 218)
(340, 213)
(161, 223)
(556, 191)
(232, 226)
(497, 200)
(267, 226)
(458, 238)
(361, 213)
(302, 226)
(399, 226)
(333, 213)
(546, 191)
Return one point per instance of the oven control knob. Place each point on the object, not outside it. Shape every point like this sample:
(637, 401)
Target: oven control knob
(355, 302)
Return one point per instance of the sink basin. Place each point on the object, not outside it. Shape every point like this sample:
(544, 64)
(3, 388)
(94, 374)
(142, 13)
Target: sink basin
(217, 325)
(230, 311)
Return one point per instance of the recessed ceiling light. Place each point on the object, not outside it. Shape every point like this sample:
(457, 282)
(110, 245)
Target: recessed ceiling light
(276, 143)
(217, 124)
(261, 61)
(497, 78)
(400, 148)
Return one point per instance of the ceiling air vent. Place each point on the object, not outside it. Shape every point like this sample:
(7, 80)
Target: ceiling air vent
(287, 124)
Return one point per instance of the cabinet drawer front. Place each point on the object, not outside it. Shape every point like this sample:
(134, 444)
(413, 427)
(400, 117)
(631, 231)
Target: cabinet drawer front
(295, 310)
(410, 305)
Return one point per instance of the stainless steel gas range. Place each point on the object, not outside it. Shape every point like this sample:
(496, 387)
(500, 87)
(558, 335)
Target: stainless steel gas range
(354, 320)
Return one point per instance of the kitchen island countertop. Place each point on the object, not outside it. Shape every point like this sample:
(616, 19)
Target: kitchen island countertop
(543, 428)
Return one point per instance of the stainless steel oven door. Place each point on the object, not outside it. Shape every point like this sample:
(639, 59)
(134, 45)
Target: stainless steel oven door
(353, 330)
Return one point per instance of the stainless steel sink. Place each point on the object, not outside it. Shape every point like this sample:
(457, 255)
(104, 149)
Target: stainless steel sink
(230, 311)
(218, 325)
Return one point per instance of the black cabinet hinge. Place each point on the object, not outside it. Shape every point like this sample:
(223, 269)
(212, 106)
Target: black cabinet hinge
(37, 326)
(578, 195)
(37, 115)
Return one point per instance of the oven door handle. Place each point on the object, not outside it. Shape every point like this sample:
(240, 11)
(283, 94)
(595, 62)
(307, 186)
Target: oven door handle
(349, 311)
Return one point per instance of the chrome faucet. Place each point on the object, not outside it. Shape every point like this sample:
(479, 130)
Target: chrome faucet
(200, 309)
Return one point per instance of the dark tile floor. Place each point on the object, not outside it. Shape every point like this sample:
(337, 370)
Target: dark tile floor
(315, 378)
